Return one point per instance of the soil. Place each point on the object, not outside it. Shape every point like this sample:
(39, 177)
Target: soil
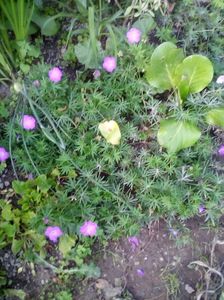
(157, 268)
(147, 271)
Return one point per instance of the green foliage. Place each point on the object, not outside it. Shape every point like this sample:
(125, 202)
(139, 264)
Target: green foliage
(64, 295)
(163, 64)
(139, 7)
(15, 228)
(84, 177)
(215, 117)
(18, 13)
(47, 24)
(176, 135)
(169, 70)
(193, 75)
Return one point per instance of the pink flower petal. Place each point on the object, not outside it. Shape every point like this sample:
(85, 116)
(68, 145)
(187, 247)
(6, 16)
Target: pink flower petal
(110, 63)
(4, 155)
(55, 75)
(89, 228)
(133, 36)
(28, 122)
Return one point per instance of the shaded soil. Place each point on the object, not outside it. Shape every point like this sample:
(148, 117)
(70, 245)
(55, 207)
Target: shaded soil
(158, 268)
(165, 264)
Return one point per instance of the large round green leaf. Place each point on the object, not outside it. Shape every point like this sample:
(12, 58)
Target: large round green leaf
(216, 117)
(164, 60)
(176, 135)
(193, 74)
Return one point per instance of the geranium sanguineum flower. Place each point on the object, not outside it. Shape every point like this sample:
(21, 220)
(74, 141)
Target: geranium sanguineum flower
(221, 151)
(89, 228)
(220, 79)
(109, 63)
(55, 75)
(133, 36)
(28, 122)
(4, 155)
(53, 233)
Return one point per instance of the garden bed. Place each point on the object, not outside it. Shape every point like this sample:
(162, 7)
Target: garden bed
(112, 150)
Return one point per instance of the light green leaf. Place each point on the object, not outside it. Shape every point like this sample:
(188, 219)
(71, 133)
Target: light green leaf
(16, 246)
(176, 135)
(20, 294)
(110, 131)
(9, 229)
(7, 213)
(163, 63)
(47, 24)
(193, 74)
(215, 117)
(144, 24)
(86, 56)
(66, 243)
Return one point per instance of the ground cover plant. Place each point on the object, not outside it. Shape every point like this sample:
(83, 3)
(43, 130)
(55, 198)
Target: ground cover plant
(121, 127)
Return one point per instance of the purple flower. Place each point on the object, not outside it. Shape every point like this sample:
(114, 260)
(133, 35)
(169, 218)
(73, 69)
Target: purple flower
(140, 272)
(89, 228)
(220, 79)
(30, 176)
(201, 209)
(45, 220)
(96, 74)
(133, 36)
(28, 122)
(221, 151)
(36, 83)
(133, 240)
(173, 231)
(4, 155)
(53, 233)
(55, 74)
(109, 63)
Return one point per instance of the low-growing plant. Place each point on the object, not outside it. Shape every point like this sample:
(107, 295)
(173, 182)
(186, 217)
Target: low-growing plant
(169, 70)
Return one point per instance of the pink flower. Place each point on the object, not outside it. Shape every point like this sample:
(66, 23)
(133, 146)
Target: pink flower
(96, 74)
(28, 122)
(221, 151)
(109, 63)
(220, 79)
(201, 209)
(36, 83)
(133, 36)
(53, 233)
(55, 74)
(89, 228)
(4, 155)
(133, 240)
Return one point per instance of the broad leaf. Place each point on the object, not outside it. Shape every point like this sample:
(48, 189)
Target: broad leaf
(163, 63)
(193, 74)
(66, 243)
(7, 213)
(110, 131)
(16, 246)
(86, 55)
(144, 24)
(215, 117)
(176, 135)
(47, 24)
